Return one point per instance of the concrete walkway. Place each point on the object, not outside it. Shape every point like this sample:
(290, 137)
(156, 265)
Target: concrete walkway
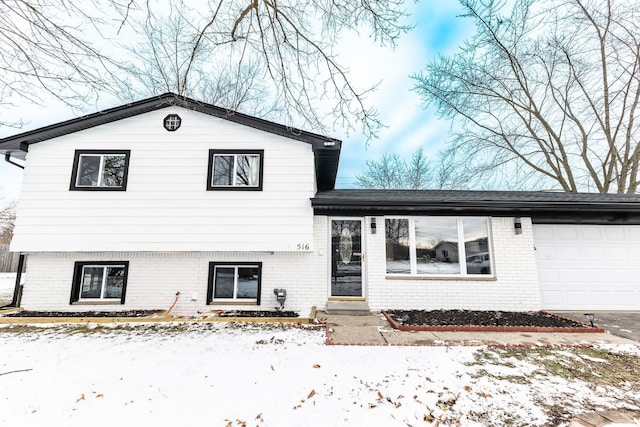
(375, 330)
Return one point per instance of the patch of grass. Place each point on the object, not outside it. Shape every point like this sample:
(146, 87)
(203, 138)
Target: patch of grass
(597, 367)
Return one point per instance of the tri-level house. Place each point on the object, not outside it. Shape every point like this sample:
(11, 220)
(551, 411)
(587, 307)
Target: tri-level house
(125, 208)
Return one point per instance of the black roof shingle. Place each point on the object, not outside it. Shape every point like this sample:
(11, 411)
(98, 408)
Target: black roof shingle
(549, 207)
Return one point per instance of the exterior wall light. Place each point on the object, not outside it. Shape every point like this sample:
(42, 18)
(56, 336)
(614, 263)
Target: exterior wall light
(373, 226)
(172, 122)
(517, 225)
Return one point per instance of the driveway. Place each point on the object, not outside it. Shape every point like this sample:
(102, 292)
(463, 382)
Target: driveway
(625, 324)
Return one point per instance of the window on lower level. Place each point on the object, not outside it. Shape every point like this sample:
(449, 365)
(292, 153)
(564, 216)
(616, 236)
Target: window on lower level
(235, 170)
(438, 246)
(99, 281)
(234, 282)
(100, 170)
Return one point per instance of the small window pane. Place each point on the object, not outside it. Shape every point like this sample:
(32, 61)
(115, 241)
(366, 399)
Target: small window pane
(247, 282)
(224, 282)
(114, 283)
(91, 282)
(113, 171)
(88, 170)
(476, 245)
(397, 246)
(437, 245)
(248, 170)
(222, 170)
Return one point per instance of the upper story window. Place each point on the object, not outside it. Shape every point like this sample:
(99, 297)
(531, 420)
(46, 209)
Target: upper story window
(235, 170)
(438, 246)
(102, 170)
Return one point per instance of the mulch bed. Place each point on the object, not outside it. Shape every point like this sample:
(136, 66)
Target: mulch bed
(143, 313)
(128, 313)
(257, 313)
(471, 320)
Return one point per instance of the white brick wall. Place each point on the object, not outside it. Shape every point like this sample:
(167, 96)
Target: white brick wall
(155, 277)
(515, 288)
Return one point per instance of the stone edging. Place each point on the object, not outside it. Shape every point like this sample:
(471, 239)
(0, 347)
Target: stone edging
(477, 328)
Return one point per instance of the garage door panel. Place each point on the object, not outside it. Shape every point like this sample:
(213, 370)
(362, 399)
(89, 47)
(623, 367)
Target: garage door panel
(590, 233)
(588, 267)
(569, 233)
(568, 253)
(613, 232)
(571, 276)
(593, 253)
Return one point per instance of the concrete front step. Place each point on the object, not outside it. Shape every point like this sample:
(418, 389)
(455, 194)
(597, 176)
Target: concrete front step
(352, 308)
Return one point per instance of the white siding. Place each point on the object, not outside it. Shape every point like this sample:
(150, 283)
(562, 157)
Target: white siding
(515, 287)
(166, 206)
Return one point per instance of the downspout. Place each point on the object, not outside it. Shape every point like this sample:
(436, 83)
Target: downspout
(17, 291)
(7, 158)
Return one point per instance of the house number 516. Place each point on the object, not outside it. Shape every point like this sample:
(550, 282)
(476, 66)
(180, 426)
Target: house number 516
(303, 246)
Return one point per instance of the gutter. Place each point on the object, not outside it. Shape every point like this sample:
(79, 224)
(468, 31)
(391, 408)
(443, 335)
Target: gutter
(7, 158)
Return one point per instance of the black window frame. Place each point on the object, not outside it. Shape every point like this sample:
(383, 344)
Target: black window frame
(77, 281)
(212, 154)
(211, 283)
(76, 162)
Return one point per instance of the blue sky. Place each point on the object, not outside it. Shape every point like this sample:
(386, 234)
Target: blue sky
(409, 126)
(438, 29)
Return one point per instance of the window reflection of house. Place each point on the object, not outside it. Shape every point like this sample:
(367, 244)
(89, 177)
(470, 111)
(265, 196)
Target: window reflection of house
(446, 252)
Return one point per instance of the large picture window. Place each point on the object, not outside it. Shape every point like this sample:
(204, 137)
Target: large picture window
(99, 281)
(102, 170)
(235, 170)
(234, 282)
(438, 246)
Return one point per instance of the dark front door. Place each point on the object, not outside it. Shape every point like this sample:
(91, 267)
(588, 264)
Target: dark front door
(346, 258)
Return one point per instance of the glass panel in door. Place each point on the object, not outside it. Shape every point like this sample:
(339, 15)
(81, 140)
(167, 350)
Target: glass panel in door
(346, 258)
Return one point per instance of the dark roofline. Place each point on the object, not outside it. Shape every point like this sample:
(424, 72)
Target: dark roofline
(326, 150)
(155, 103)
(542, 207)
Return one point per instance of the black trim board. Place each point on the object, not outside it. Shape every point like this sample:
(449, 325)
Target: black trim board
(542, 207)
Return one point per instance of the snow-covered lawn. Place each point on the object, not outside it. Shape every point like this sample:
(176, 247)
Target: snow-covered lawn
(272, 375)
(7, 284)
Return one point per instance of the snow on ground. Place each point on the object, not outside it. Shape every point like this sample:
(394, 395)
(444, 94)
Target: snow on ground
(265, 375)
(7, 284)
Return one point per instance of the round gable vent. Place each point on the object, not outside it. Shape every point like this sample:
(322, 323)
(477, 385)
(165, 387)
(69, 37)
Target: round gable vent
(172, 122)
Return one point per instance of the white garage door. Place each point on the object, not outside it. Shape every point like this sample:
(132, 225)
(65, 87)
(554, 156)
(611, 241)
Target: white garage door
(588, 267)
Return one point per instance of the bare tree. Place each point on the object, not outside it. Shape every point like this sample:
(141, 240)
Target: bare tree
(46, 49)
(547, 93)
(168, 59)
(69, 50)
(393, 172)
(7, 222)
